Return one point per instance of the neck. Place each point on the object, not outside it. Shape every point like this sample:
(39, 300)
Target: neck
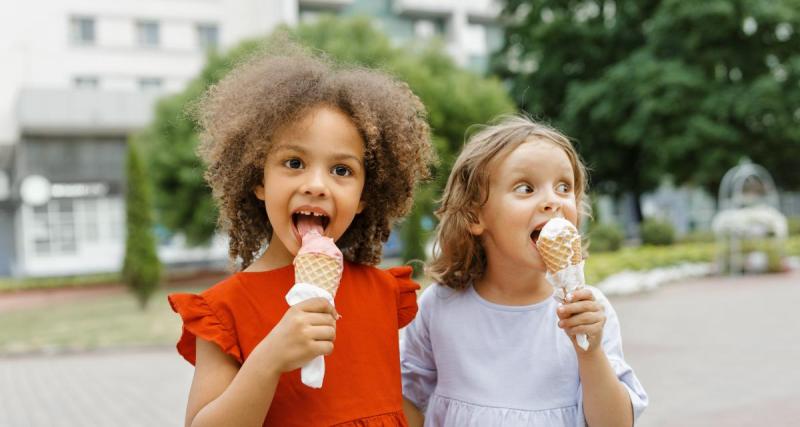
(276, 256)
(510, 285)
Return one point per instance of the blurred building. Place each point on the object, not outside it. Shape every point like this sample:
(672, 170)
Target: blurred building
(469, 28)
(79, 76)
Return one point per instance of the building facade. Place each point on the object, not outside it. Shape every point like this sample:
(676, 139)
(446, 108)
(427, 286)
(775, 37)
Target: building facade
(79, 76)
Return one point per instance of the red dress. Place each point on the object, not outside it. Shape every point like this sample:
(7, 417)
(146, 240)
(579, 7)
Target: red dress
(362, 375)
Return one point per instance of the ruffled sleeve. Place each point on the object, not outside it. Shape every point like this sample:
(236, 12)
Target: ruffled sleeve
(406, 294)
(200, 320)
(417, 363)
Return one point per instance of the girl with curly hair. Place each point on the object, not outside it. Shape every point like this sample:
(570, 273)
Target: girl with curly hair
(486, 349)
(295, 142)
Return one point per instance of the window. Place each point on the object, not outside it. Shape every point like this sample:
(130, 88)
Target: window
(82, 30)
(89, 212)
(207, 36)
(150, 83)
(147, 33)
(86, 82)
(424, 29)
(54, 228)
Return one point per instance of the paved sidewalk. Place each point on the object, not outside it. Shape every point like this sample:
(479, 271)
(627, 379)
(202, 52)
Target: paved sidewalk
(136, 388)
(717, 351)
(713, 352)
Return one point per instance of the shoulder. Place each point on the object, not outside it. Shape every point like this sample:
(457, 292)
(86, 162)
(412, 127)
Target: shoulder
(224, 287)
(398, 278)
(223, 294)
(436, 296)
(211, 298)
(599, 296)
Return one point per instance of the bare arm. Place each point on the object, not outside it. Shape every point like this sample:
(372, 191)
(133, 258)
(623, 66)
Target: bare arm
(413, 415)
(605, 399)
(224, 394)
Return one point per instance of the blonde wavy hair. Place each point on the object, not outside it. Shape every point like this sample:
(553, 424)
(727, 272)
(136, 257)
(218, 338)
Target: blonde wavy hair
(459, 257)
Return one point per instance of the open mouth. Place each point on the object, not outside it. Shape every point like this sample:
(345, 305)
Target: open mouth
(308, 220)
(536, 232)
(535, 235)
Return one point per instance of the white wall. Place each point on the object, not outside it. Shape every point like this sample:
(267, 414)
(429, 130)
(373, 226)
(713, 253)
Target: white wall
(37, 51)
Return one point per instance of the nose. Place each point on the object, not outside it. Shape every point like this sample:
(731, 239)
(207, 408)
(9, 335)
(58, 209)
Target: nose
(315, 184)
(550, 204)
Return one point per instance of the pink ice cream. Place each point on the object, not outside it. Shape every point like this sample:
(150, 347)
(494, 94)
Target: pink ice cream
(315, 243)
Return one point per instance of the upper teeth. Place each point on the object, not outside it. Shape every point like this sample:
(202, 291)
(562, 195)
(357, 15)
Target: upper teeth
(310, 213)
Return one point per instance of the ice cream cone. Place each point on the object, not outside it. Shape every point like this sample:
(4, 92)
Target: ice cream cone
(318, 269)
(559, 247)
(559, 244)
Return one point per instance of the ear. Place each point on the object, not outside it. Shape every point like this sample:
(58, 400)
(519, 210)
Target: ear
(259, 192)
(361, 205)
(477, 228)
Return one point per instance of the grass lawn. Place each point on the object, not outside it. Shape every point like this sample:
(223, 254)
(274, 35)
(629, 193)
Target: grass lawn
(93, 322)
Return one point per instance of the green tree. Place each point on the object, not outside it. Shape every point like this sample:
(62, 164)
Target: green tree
(141, 270)
(655, 87)
(454, 98)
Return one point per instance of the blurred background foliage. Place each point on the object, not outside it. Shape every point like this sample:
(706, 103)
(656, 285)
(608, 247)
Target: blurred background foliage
(650, 88)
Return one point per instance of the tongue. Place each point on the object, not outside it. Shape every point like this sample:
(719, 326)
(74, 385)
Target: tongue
(306, 223)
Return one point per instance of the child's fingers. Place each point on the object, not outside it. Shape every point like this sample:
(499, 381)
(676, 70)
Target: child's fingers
(583, 294)
(316, 305)
(320, 319)
(322, 347)
(567, 310)
(322, 333)
(590, 330)
(586, 318)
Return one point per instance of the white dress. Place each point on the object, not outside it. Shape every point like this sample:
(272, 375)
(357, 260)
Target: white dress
(469, 362)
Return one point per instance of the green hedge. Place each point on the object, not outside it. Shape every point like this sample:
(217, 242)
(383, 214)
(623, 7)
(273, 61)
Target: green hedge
(794, 226)
(11, 285)
(601, 265)
(606, 238)
(657, 232)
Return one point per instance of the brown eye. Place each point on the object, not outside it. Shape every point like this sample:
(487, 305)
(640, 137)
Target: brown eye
(341, 170)
(293, 164)
(523, 189)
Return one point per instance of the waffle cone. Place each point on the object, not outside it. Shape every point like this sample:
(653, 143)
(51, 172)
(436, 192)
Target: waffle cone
(318, 269)
(561, 252)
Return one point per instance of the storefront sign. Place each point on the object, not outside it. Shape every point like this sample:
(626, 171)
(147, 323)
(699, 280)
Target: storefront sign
(35, 190)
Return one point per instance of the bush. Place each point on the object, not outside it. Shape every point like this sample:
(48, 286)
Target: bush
(698, 236)
(605, 238)
(601, 265)
(657, 232)
(141, 270)
(794, 225)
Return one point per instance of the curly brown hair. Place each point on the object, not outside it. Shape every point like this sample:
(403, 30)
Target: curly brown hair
(459, 257)
(241, 114)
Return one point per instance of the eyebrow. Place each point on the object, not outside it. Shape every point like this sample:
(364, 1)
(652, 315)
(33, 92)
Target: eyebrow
(521, 171)
(301, 150)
